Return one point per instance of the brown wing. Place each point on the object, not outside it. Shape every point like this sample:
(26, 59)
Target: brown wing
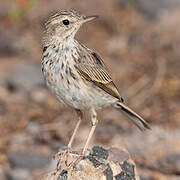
(93, 69)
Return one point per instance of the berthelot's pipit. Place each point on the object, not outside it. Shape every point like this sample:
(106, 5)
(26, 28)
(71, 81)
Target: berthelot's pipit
(77, 75)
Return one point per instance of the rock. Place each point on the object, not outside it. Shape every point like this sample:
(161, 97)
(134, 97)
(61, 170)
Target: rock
(170, 163)
(156, 144)
(126, 3)
(99, 164)
(152, 8)
(27, 160)
(18, 174)
(25, 77)
(9, 47)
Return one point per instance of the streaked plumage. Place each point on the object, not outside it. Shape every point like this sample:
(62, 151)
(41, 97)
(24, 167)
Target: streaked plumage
(76, 75)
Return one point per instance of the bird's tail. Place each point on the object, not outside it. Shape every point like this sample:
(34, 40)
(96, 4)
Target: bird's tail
(135, 118)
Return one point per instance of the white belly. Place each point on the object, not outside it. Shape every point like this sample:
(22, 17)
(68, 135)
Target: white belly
(79, 95)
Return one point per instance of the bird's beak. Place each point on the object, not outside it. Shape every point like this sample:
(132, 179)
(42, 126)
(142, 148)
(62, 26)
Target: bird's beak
(89, 18)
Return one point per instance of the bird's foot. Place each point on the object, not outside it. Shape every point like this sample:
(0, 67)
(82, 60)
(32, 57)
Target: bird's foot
(66, 159)
(78, 159)
(63, 156)
(75, 162)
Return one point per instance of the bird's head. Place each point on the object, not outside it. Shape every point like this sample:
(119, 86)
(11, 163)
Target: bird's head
(65, 24)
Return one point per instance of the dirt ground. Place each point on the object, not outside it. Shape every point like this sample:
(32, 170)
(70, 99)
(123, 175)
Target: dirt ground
(139, 41)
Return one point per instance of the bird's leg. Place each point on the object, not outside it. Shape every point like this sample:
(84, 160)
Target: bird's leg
(64, 156)
(94, 121)
(80, 115)
(94, 124)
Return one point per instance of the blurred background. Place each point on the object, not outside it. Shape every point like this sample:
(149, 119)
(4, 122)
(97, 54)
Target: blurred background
(139, 41)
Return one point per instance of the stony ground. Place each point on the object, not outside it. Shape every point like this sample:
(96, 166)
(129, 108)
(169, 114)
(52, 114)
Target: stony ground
(139, 41)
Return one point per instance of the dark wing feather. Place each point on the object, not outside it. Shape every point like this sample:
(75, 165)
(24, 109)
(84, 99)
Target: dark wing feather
(93, 69)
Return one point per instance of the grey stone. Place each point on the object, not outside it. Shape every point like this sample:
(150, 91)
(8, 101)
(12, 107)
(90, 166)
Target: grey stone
(26, 77)
(170, 163)
(18, 174)
(151, 8)
(28, 160)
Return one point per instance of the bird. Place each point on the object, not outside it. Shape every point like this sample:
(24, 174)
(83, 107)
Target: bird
(77, 75)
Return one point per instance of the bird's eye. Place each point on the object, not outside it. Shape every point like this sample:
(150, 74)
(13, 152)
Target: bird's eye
(66, 22)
